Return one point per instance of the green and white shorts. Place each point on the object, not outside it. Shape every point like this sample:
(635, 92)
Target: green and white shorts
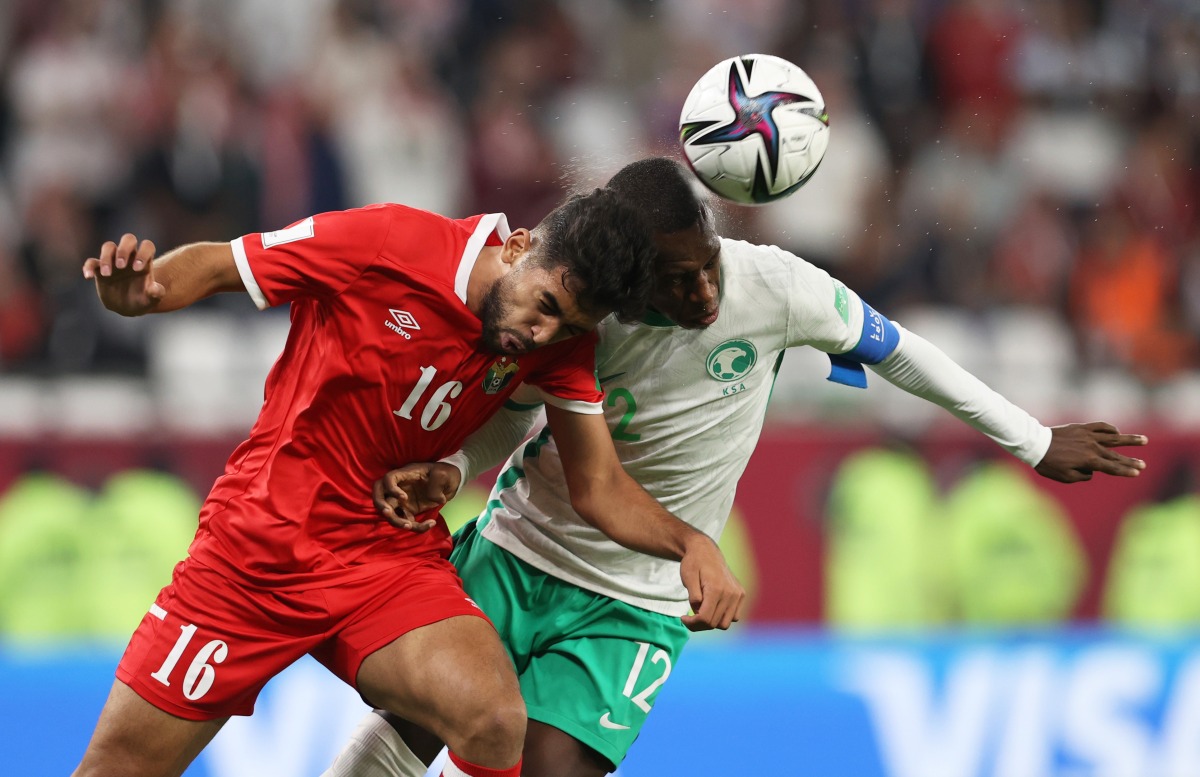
(589, 665)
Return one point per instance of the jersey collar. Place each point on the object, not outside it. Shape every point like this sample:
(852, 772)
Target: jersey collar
(488, 223)
(654, 318)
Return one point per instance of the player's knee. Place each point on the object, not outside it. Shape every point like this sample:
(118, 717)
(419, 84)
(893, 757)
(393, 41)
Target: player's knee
(498, 726)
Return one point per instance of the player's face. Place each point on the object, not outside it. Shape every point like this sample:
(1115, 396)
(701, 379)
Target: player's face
(688, 276)
(529, 307)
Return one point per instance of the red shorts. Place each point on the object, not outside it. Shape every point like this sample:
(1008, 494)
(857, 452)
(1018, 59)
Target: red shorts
(209, 643)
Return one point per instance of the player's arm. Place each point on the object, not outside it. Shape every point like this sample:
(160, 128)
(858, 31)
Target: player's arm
(1068, 453)
(825, 314)
(605, 496)
(503, 433)
(131, 281)
(405, 493)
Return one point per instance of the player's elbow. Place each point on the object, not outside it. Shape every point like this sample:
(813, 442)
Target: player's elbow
(587, 505)
(595, 499)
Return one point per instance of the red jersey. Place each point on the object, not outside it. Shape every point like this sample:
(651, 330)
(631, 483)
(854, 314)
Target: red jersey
(383, 366)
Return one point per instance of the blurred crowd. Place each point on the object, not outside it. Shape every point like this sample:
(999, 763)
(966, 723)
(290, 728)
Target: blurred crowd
(1036, 155)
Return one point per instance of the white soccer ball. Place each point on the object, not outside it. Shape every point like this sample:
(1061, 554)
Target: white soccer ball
(754, 128)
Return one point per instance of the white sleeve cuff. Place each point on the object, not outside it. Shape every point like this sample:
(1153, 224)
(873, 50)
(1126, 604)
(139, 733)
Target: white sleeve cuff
(572, 405)
(458, 460)
(248, 279)
(493, 442)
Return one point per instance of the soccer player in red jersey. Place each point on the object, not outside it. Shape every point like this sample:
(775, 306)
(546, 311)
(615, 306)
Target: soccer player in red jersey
(408, 330)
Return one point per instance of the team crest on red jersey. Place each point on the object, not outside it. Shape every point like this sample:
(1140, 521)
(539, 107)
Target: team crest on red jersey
(499, 374)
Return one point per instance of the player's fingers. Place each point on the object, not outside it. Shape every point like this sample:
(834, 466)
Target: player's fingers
(1124, 466)
(399, 483)
(401, 519)
(709, 612)
(389, 514)
(126, 249)
(420, 527)
(105, 259)
(701, 617)
(1114, 455)
(1123, 440)
(91, 267)
(723, 618)
(143, 256)
(719, 610)
(379, 498)
(733, 609)
(741, 608)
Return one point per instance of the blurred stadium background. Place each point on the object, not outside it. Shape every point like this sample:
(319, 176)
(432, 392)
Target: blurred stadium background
(1015, 180)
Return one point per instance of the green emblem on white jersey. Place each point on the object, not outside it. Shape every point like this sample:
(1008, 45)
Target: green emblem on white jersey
(841, 301)
(731, 360)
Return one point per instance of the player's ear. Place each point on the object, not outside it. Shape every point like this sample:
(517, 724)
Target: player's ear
(516, 246)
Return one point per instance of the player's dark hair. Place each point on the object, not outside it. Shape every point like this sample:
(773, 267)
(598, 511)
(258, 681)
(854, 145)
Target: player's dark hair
(606, 252)
(661, 190)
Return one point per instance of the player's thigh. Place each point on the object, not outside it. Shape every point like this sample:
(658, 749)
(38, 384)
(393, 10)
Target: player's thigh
(442, 675)
(552, 752)
(418, 646)
(599, 683)
(133, 738)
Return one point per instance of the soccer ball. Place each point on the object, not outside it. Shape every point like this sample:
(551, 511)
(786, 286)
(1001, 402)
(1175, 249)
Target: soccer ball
(754, 128)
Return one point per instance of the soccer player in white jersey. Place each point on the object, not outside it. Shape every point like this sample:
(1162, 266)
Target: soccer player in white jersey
(593, 628)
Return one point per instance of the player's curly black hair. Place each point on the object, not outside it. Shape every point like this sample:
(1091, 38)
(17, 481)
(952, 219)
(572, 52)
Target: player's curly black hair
(606, 251)
(661, 190)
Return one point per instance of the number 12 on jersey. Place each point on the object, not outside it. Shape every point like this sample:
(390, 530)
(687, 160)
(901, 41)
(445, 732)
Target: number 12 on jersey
(437, 409)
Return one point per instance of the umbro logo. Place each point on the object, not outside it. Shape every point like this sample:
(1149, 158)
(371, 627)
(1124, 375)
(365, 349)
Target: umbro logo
(401, 322)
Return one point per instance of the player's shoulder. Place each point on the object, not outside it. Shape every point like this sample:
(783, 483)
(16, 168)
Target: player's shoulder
(760, 268)
(742, 254)
(419, 232)
(407, 215)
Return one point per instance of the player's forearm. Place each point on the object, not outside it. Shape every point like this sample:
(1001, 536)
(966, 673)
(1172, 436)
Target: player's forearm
(192, 272)
(630, 517)
(493, 442)
(924, 370)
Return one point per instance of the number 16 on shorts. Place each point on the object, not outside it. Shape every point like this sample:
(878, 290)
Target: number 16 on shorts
(200, 674)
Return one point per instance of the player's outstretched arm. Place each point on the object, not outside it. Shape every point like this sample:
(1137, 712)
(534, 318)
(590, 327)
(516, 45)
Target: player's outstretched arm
(1068, 454)
(1078, 450)
(131, 281)
(604, 495)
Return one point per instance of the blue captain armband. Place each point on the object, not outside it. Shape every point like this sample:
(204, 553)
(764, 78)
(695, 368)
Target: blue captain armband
(879, 338)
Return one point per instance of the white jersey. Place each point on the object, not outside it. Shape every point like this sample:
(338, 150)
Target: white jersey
(685, 409)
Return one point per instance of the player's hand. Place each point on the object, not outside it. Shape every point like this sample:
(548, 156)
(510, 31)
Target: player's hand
(124, 275)
(1078, 450)
(716, 596)
(404, 494)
